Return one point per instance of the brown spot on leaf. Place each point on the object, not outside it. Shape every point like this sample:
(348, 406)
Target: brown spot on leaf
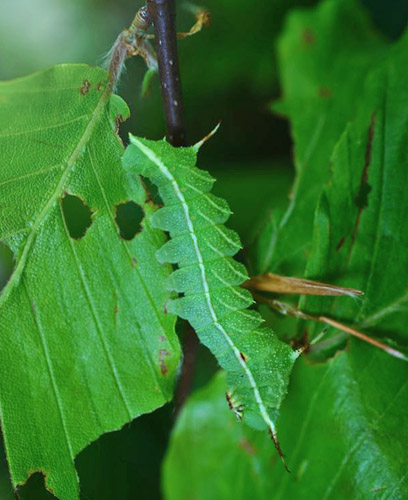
(243, 357)
(361, 199)
(381, 488)
(100, 87)
(248, 447)
(133, 262)
(45, 143)
(118, 120)
(85, 87)
(163, 353)
(324, 92)
(308, 37)
(341, 243)
(7, 264)
(116, 308)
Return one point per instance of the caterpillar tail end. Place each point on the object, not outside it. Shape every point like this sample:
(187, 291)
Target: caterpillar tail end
(278, 448)
(198, 145)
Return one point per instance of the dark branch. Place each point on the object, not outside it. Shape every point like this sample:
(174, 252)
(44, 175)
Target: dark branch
(162, 13)
(190, 348)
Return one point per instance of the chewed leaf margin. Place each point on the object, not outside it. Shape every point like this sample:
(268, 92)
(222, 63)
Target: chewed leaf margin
(83, 331)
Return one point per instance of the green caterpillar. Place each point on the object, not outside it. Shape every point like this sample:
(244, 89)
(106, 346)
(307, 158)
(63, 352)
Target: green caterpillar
(258, 364)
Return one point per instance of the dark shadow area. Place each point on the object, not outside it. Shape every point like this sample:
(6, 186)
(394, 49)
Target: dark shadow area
(128, 218)
(126, 464)
(390, 17)
(6, 264)
(77, 215)
(6, 491)
(152, 193)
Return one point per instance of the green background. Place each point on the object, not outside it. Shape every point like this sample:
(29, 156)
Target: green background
(229, 73)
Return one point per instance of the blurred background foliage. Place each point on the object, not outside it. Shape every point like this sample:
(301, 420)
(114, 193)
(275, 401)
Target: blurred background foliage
(229, 73)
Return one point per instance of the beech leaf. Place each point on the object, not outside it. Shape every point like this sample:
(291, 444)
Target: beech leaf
(85, 343)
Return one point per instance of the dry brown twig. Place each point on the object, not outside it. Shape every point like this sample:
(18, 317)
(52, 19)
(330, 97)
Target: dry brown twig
(270, 282)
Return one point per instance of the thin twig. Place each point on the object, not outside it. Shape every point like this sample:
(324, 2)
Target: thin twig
(162, 13)
(289, 310)
(363, 336)
(190, 348)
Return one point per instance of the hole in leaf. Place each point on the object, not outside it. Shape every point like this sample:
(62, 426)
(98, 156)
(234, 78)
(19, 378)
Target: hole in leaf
(152, 193)
(133, 454)
(34, 488)
(77, 215)
(6, 264)
(129, 216)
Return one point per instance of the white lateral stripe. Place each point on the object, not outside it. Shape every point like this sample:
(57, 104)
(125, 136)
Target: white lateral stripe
(210, 201)
(233, 287)
(214, 249)
(238, 273)
(165, 171)
(217, 228)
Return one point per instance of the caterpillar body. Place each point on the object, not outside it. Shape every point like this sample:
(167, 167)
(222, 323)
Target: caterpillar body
(207, 278)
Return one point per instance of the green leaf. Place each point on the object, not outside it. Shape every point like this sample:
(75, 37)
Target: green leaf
(85, 343)
(351, 434)
(208, 280)
(324, 54)
(210, 456)
(352, 441)
(341, 425)
(362, 247)
(253, 190)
